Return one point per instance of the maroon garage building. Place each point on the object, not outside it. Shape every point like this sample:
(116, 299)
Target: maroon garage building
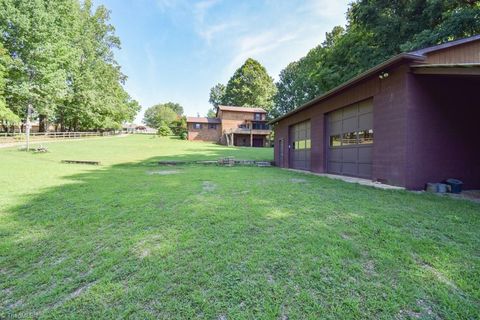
(410, 120)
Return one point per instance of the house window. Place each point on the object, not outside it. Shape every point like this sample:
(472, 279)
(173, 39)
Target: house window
(197, 126)
(257, 116)
(212, 126)
(260, 126)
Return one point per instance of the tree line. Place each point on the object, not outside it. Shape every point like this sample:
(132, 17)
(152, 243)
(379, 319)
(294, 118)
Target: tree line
(375, 31)
(57, 56)
(167, 118)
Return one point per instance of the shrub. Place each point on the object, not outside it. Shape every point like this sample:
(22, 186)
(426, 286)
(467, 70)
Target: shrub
(184, 135)
(164, 131)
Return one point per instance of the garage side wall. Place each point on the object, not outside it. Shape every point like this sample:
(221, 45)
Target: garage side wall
(316, 135)
(390, 106)
(390, 101)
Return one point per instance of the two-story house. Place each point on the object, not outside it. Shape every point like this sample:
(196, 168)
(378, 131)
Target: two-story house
(239, 126)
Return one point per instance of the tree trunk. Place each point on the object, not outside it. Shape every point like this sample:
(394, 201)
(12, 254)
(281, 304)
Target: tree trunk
(42, 123)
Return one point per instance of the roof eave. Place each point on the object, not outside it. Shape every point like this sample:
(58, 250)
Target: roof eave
(446, 45)
(354, 80)
(241, 109)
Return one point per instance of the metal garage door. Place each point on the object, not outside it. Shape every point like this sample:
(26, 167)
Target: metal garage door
(300, 146)
(350, 140)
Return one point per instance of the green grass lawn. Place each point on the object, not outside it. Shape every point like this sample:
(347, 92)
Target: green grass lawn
(131, 239)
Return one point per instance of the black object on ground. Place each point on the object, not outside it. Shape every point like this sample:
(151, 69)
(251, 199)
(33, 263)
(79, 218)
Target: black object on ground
(455, 184)
(95, 163)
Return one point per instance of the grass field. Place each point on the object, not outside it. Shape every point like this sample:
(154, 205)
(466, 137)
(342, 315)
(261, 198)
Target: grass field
(131, 239)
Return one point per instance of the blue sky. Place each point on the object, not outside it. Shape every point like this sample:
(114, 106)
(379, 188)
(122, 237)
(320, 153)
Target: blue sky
(176, 50)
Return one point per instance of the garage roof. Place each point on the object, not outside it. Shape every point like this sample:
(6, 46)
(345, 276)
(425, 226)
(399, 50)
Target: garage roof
(412, 56)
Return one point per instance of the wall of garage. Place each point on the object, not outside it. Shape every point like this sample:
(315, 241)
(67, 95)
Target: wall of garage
(316, 113)
(390, 105)
(426, 126)
(389, 117)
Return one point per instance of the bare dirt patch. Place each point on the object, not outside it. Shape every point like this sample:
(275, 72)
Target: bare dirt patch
(242, 192)
(424, 312)
(297, 180)
(369, 267)
(77, 292)
(270, 279)
(208, 186)
(162, 172)
(440, 276)
(80, 290)
(345, 236)
(154, 244)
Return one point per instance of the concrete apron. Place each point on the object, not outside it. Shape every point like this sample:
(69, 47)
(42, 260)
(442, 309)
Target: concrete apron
(363, 182)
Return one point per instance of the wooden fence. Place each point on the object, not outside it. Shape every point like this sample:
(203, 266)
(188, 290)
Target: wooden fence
(49, 136)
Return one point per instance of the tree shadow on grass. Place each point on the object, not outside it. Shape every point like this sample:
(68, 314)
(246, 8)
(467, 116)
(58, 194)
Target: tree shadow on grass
(207, 242)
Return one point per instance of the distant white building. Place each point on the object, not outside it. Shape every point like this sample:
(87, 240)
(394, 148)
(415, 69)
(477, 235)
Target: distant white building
(138, 128)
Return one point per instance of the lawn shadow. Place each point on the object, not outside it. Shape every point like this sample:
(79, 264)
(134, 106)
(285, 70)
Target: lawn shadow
(206, 241)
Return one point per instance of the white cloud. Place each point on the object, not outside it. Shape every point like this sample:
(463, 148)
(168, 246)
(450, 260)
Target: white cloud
(274, 32)
(286, 38)
(210, 31)
(255, 46)
(202, 7)
(326, 9)
(168, 4)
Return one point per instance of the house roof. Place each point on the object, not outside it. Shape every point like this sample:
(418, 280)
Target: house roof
(412, 56)
(242, 109)
(203, 120)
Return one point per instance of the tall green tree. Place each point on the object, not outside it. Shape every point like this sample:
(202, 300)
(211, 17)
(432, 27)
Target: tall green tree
(176, 107)
(376, 30)
(159, 115)
(250, 86)
(32, 38)
(98, 99)
(303, 80)
(217, 95)
(62, 64)
(7, 116)
(411, 24)
(211, 113)
(179, 126)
